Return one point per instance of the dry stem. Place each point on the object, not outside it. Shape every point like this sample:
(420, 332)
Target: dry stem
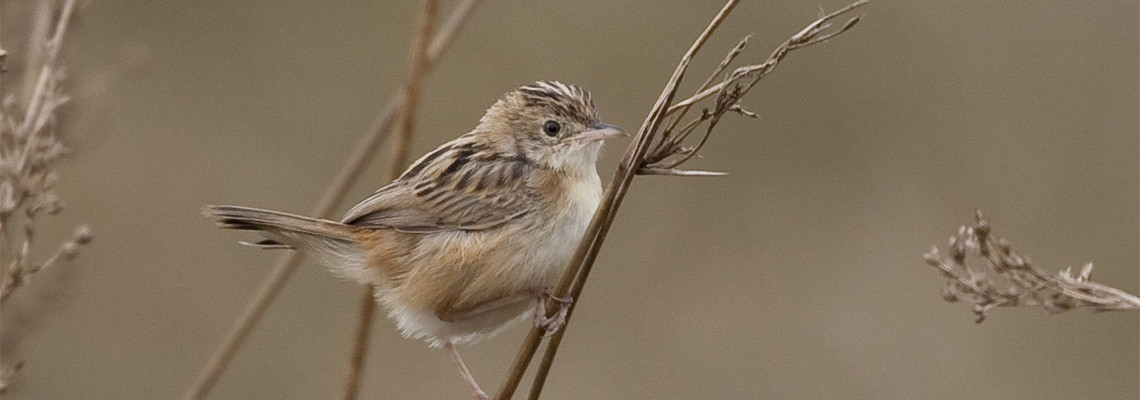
(638, 158)
(661, 160)
(670, 150)
(401, 148)
(1024, 283)
(29, 148)
(333, 195)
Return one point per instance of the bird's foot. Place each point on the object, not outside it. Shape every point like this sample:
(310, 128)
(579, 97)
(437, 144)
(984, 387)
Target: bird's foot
(551, 324)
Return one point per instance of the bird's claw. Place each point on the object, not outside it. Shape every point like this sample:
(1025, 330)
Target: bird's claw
(553, 323)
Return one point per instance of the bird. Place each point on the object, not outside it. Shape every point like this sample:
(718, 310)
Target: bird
(473, 235)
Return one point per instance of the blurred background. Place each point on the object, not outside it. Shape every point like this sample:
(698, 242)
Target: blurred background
(797, 276)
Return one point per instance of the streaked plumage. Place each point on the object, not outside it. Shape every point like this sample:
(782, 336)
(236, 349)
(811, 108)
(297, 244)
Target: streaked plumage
(464, 240)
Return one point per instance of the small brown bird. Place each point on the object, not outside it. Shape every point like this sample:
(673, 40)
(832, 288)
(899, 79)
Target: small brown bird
(472, 233)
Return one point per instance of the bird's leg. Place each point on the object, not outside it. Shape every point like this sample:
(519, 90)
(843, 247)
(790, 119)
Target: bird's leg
(475, 390)
(554, 323)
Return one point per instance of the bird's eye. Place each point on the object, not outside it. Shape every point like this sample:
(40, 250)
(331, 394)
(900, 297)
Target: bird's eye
(551, 128)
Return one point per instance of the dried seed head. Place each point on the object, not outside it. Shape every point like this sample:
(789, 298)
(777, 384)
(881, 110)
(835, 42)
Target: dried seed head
(69, 250)
(1013, 261)
(982, 228)
(83, 235)
(958, 253)
(1003, 246)
(979, 312)
(948, 293)
(1086, 273)
(931, 257)
(1017, 281)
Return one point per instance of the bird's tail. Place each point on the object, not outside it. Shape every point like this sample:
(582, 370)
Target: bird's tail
(331, 241)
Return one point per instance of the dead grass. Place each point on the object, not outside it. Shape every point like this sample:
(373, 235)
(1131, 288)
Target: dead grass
(30, 148)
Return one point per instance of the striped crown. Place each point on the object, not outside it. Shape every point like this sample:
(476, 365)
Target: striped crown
(568, 101)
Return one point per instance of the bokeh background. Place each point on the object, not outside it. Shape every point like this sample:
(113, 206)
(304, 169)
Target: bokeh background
(798, 276)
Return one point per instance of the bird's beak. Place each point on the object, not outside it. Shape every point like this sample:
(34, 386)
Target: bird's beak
(598, 132)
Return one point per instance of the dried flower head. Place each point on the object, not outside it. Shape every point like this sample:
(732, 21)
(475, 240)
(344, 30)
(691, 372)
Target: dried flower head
(1009, 279)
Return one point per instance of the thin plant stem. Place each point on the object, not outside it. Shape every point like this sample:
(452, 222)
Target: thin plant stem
(41, 23)
(635, 160)
(588, 247)
(349, 172)
(35, 104)
(401, 148)
(676, 119)
(4, 243)
(806, 37)
(624, 175)
(364, 317)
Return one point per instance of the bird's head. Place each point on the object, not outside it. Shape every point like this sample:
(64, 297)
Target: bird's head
(553, 124)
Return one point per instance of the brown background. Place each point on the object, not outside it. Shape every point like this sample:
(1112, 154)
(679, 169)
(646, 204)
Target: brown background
(798, 276)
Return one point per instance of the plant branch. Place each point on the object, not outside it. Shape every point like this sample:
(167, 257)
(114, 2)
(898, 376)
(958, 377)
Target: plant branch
(365, 314)
(335, 193)
(811, 34)
(29, 148)
(47, 67)
(1020, 282)
(681, 111)
(6, 373)
(733, 88)
(639, 159)
(38, 35)
(603, 216)
(401, 148)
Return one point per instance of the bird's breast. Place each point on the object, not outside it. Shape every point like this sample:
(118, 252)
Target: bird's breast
(571, 213)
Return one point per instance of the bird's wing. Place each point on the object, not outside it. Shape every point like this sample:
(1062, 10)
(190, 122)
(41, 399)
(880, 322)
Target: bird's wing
(455, 187)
